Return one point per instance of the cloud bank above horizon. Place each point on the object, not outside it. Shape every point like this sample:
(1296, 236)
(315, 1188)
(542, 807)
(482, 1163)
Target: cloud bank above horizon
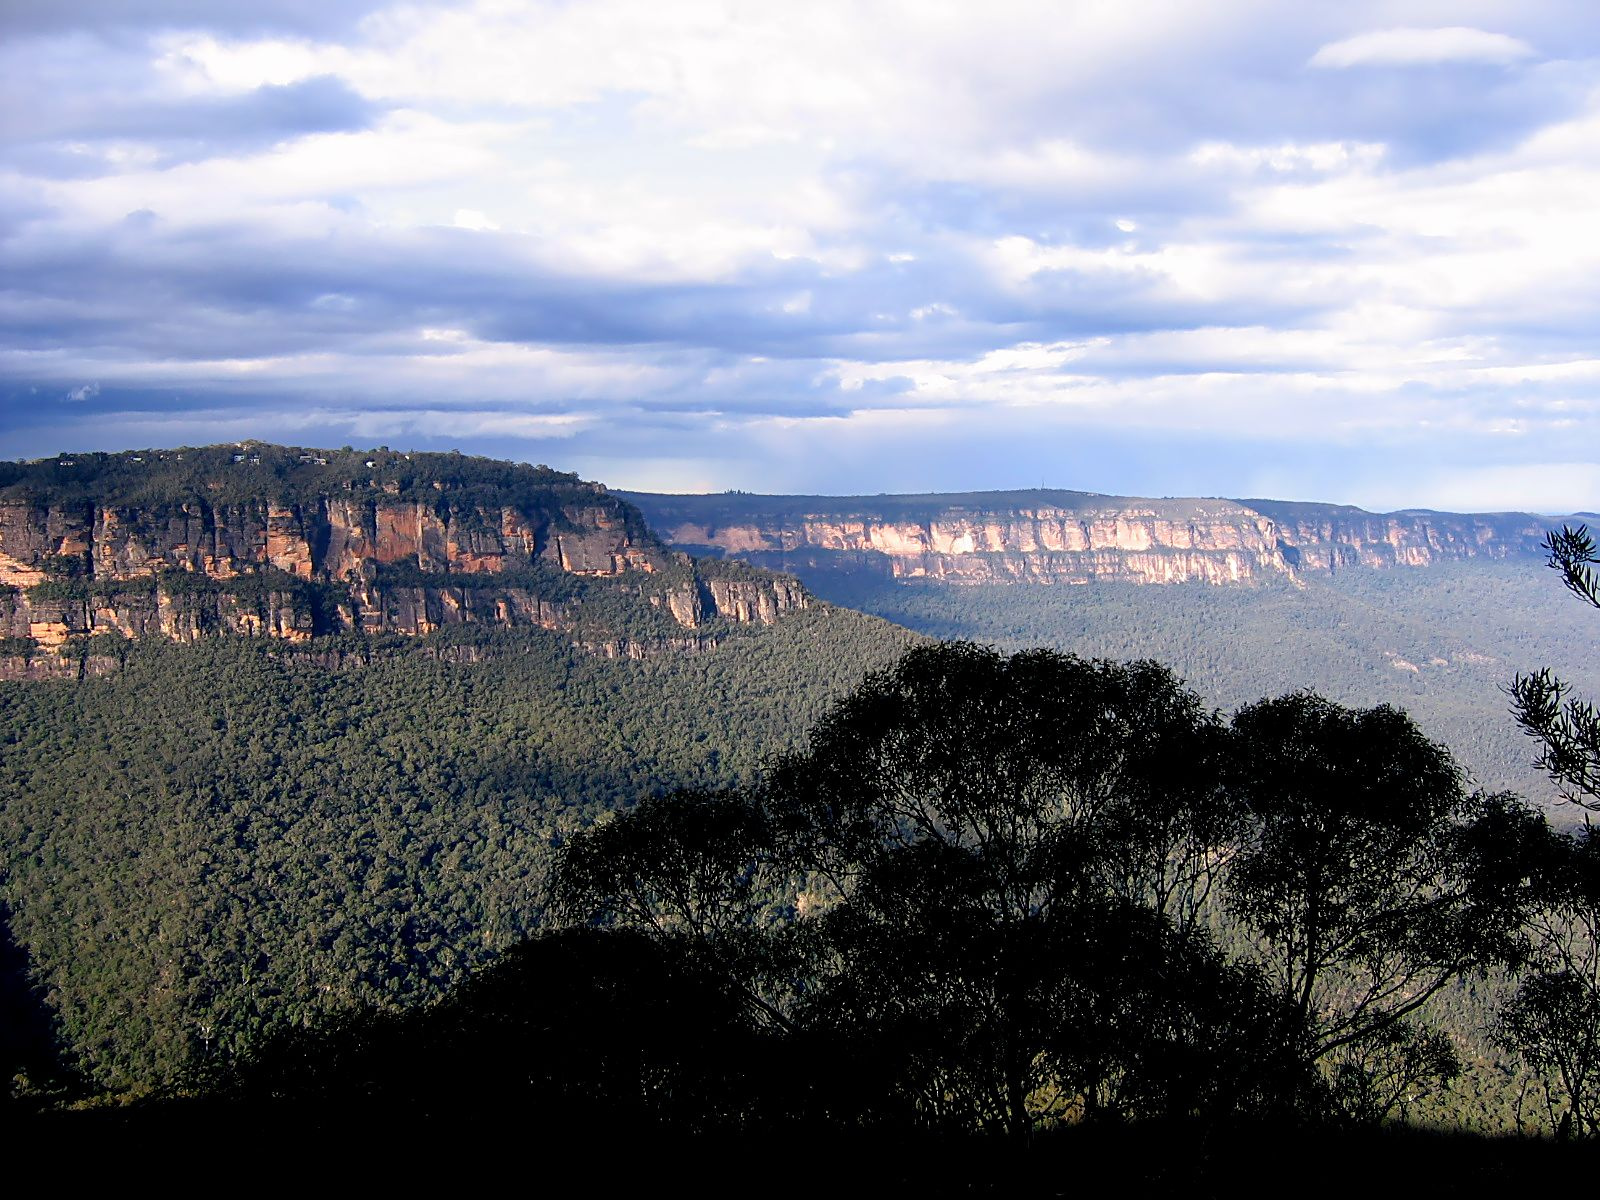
(1243, 248)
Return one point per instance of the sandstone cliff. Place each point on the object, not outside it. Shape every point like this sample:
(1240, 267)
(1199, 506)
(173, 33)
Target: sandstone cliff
(1074, 537)
(290, 544)
(1327, 537)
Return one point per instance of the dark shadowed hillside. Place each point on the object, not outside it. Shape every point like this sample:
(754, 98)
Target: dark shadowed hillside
(289, 730)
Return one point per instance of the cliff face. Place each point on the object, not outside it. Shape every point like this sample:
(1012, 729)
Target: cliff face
(398, 555)
(1074, 537)
(1328, 537)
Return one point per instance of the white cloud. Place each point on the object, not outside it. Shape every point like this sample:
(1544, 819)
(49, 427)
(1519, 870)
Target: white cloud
(1289, 156)
(1412, 47)
(1143, 216)
(204, 64)
(290, 184)
(471, 218)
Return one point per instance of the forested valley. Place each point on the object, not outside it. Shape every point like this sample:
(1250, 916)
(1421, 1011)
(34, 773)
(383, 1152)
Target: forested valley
(1442, 642)
(694, 870)
(224, 838)
(1003, 913)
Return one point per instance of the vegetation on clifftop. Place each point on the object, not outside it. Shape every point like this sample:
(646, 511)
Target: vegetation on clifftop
(249, 472)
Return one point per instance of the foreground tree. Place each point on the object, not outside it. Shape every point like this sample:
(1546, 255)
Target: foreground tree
(694, 869)
(572, 1030)
(1019, 850)
(1371, 879)
(996, 879)
(1060, 774)
(1554, 1018)
(1566, 726)
(996, 869)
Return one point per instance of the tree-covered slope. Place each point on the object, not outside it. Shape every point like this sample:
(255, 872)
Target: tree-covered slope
(226, 836)
(1441, 642)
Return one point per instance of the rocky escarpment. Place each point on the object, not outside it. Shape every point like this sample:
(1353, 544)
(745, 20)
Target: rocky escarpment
(1330, 537)
(281, 543)
(1074, 537)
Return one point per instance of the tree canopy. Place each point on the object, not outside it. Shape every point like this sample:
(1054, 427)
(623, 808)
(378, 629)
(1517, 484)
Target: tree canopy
(1554, 1018)
(1002, 877)
(1566, 726)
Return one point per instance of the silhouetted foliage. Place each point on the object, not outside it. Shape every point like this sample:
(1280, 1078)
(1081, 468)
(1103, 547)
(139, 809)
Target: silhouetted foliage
(998, 868)
(1056, 770)
(1354, 867)
(1372, 879)
(1566, 726)
(580, 1025)
(1020, 848)
(1002, 875)
(1553, 1020)
(684, 863)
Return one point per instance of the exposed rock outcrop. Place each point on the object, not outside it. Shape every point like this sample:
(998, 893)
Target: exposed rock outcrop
(1328, 537)
(1075, 537)
(410, 545)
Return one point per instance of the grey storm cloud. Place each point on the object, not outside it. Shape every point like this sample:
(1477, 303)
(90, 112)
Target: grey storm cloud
(215, 125)
(46, 124)
(229, 291)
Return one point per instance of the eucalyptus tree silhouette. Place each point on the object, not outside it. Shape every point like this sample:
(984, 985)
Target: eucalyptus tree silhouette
(1566, 726)
(1370, 878)
(988, 875)
(1554, 1018)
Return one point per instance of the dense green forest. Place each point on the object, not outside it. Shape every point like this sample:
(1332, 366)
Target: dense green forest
(998, 921)
(225, 837)
(1442, 642)
(251, 472)
(228, 860)
(1038, 889)
(226, 841)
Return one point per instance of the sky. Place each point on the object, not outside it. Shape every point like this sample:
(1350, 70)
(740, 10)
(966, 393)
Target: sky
(1345, 252)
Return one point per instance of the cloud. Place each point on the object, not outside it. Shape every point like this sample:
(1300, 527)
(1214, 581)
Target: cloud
(803, 243)
(36, 17)
(1422, 47)
(172, 132)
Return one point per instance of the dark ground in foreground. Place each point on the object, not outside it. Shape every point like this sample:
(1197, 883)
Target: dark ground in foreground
(556, 1154)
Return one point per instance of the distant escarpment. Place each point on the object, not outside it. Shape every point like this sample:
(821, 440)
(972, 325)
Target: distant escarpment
(291, 544)
(1049, 536)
